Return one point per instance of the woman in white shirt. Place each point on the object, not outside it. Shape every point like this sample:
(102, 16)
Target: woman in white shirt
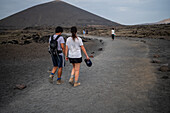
(113, 33)
(74, 45)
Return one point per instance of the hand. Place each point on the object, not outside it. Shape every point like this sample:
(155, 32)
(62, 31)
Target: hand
(66, 58)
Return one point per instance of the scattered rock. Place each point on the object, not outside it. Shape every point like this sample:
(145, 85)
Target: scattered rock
(36, 37)
(134, 32)
(100, 49)
(10, 42)
(20, 86)
(26, 42)
(162, 38)
(164, 68)
(91, 56)
(165, 77)
(143, 41)
(3, 42)
(15, 41)
(25, 37)
(156, 61)
(92, 52)
(156, 56)
(44, 39)
(101, 40)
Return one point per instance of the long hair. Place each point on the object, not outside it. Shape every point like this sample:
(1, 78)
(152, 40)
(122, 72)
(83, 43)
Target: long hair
(74, 31)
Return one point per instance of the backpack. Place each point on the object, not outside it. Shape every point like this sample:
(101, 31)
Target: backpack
(54, 45)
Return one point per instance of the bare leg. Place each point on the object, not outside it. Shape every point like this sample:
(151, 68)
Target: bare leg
(53, 71)
(59, 81)
(77, 70)
(72, 74)
(59, 72)
(73, 70)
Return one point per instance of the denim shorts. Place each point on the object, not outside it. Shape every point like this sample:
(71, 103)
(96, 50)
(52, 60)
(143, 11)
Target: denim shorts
(58, 60)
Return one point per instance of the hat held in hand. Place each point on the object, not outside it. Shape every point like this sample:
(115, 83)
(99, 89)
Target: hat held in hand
(88, 62)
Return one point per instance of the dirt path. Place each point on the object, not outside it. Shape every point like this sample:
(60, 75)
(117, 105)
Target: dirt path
(119, 81)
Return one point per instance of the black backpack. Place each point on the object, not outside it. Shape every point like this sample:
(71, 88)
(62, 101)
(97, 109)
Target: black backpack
(54, 45)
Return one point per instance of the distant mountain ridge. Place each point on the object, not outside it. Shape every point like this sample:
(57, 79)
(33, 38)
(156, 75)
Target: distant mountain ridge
(53, 14)
(165, 21)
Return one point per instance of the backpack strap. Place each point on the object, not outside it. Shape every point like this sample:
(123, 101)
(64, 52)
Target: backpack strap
(59, 51)
(52, 37)
(57, 37)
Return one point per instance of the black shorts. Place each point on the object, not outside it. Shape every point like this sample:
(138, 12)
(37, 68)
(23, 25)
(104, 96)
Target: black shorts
(75, 60)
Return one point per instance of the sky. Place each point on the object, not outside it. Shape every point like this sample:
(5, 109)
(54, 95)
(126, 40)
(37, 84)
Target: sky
(127, 12)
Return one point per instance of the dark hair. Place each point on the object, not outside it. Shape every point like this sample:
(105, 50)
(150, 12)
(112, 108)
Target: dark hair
(74, 31)
(113, 28)
(58, 29)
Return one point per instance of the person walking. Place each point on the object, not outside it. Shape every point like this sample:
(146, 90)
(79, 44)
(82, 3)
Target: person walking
(84, 32)
(113, 33)
(74, 45)
(57, 54)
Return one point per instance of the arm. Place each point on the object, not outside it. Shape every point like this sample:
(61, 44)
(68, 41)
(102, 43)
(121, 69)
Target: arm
(84, 50)
(66, 51)
(63, 49)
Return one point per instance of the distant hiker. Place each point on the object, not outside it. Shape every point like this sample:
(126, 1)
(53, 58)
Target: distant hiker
(84, 32)
(56, 50)
(74, 45)
(113, 33)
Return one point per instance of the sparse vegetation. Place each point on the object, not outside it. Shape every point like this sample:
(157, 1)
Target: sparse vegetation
(41, 34)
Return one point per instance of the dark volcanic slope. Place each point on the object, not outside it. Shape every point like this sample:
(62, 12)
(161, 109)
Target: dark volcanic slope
(53, 14)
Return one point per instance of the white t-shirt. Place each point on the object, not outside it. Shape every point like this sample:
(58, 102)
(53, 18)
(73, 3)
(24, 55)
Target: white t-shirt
(60, 40)
(74, 49)
(113, 32)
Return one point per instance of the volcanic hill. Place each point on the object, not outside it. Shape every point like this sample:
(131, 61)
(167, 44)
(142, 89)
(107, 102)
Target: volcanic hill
(53, 14)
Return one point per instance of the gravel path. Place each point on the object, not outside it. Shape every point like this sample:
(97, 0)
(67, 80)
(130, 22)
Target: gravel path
(120, 81)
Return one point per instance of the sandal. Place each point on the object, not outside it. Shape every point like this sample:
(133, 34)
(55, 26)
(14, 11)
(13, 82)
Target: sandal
(76, 84)
(50, 79)
(71, 81)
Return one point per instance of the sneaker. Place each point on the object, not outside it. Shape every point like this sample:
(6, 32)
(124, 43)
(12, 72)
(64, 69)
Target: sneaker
(71, 80)
(76, 84)
(59, 82)
(50, 79)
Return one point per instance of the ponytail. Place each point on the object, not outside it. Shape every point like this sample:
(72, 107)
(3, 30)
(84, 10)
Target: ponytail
(74, 31)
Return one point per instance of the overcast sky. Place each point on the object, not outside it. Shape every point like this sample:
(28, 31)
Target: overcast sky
(128, 12)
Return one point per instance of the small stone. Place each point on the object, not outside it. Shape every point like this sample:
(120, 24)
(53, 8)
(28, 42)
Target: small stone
(92, 52)
(156, 61)
(164, 68)
(20, 86)
(165, 77)
(10, 42)
(156, 56)
(27, 42)
(143, 41)
(91, 56)
(3, 42)
(100, 49)
(101, 40)
(15, 41)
